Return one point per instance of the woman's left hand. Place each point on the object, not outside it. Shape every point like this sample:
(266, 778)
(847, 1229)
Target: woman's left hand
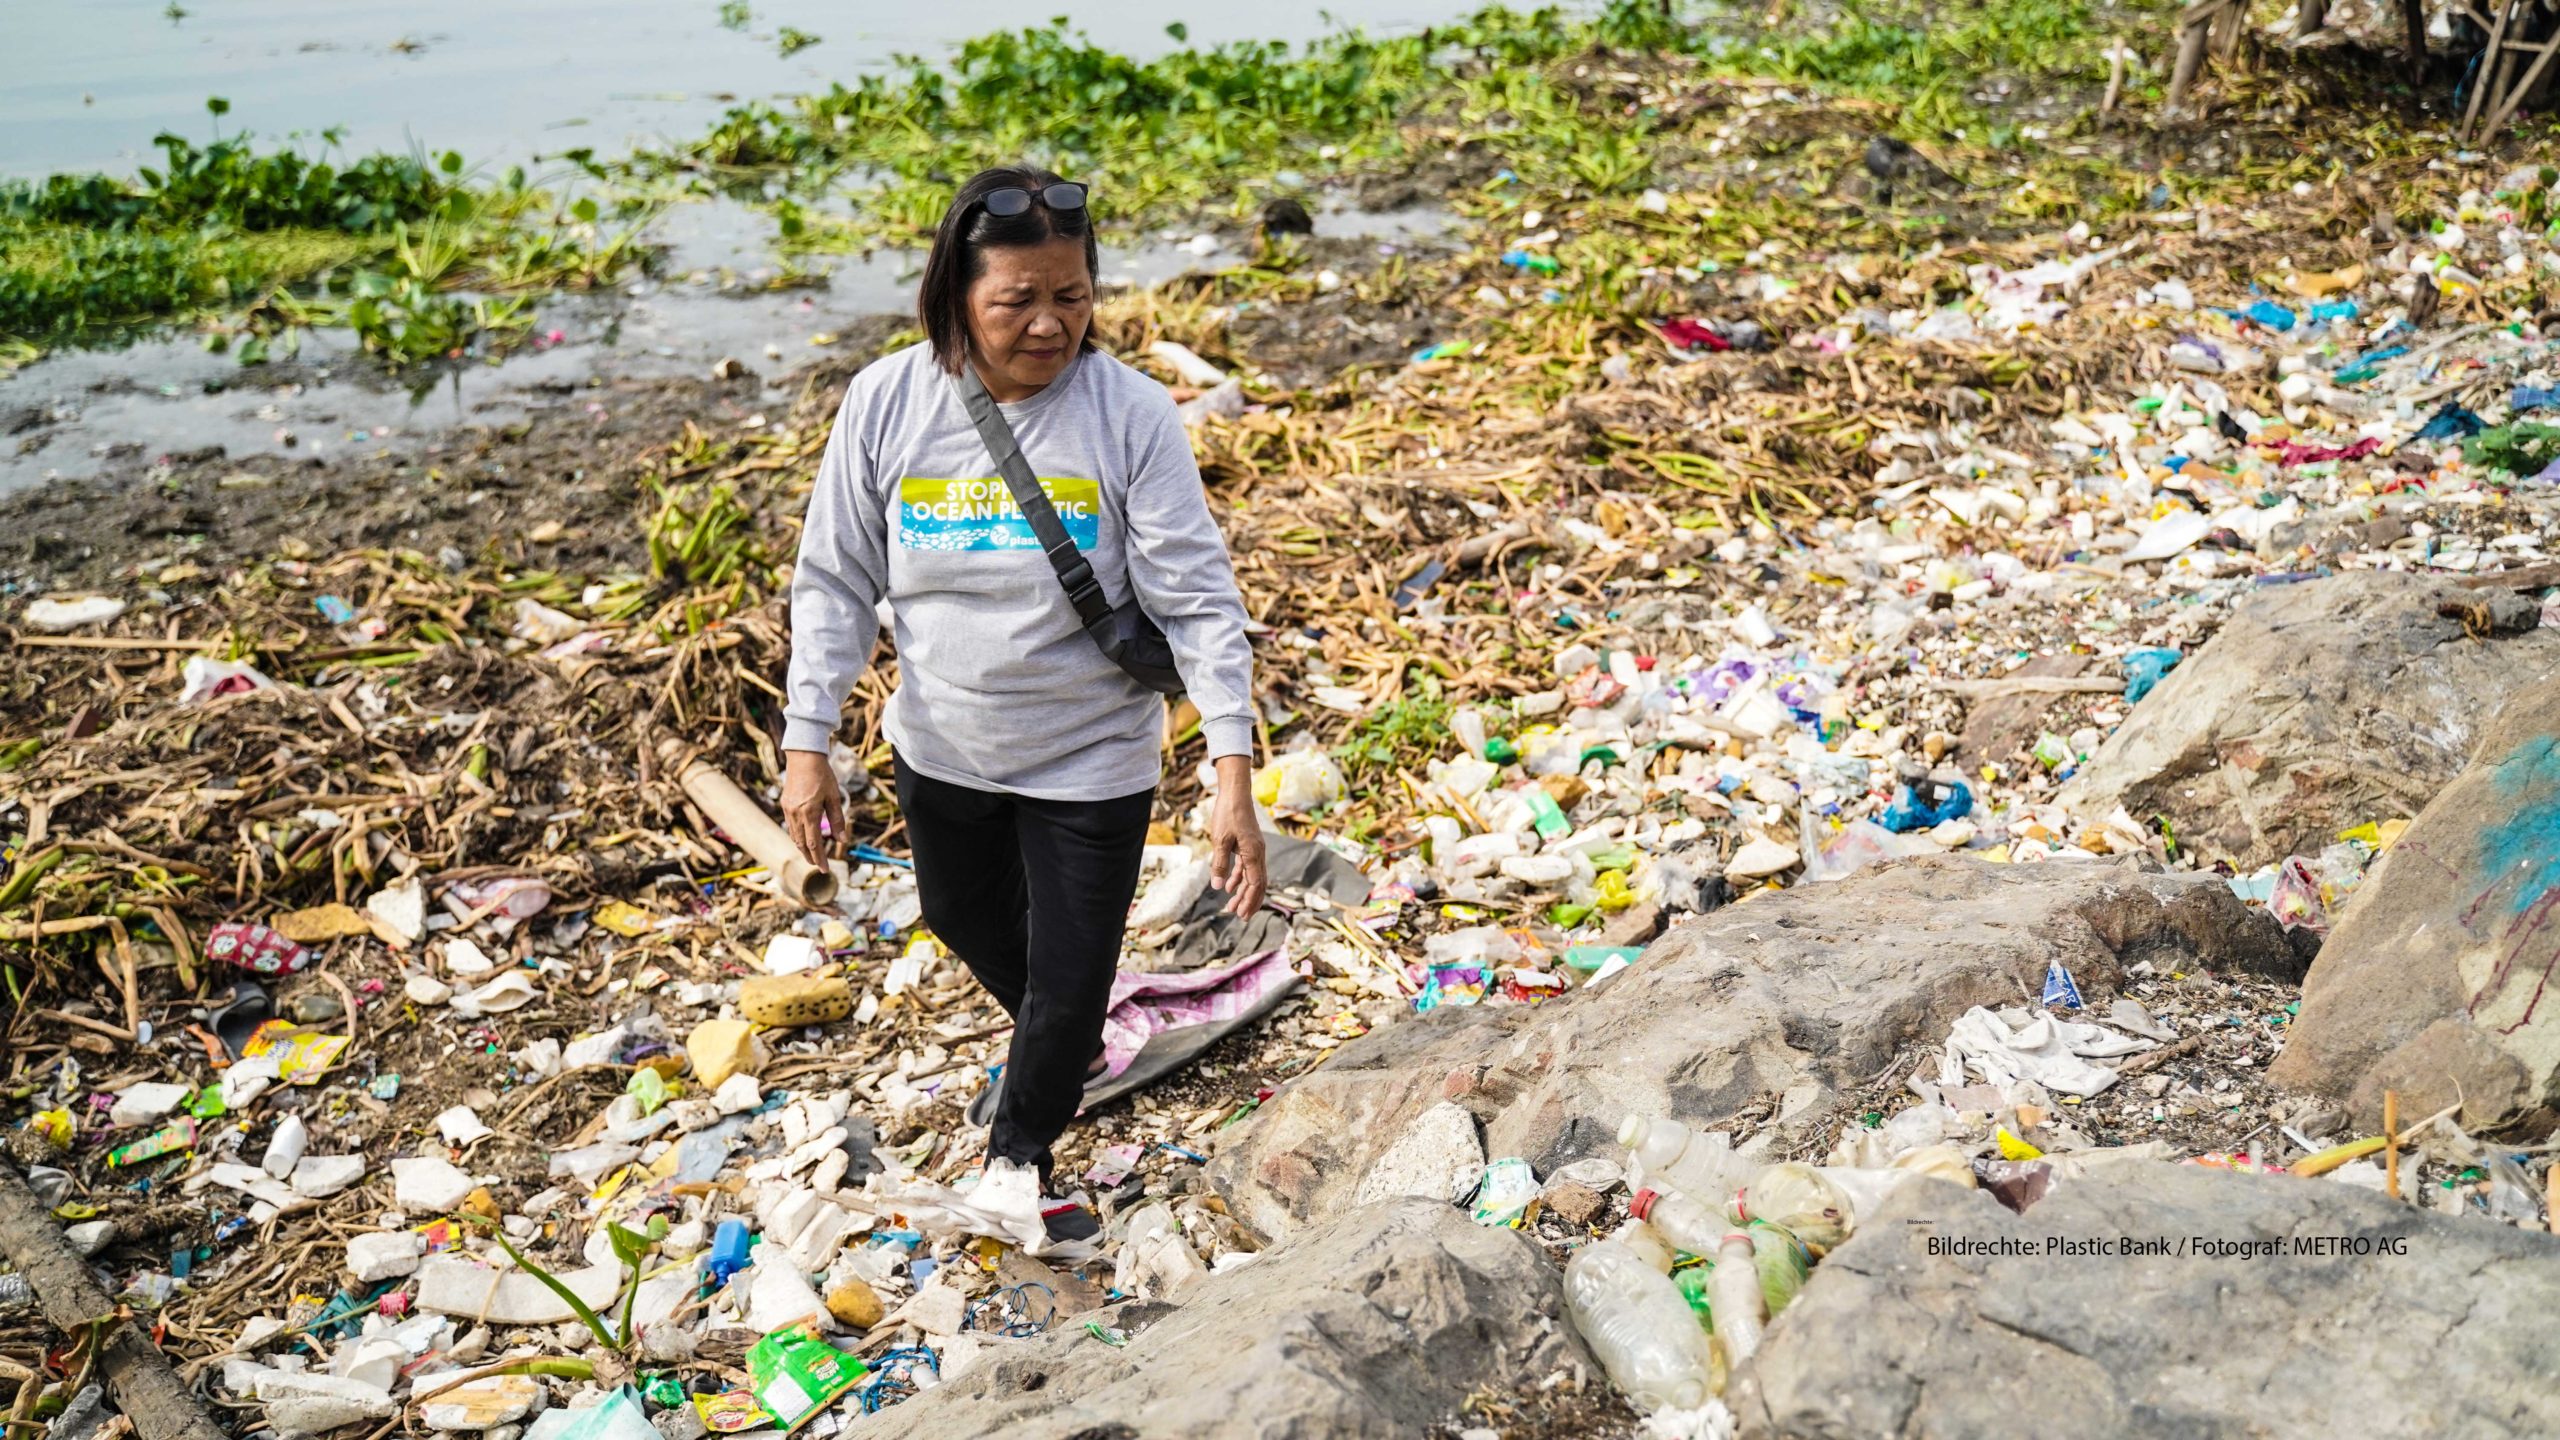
(1236, 865)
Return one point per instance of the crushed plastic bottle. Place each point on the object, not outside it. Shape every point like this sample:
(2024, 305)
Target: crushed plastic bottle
(1671, 1156)
(1623, 1304)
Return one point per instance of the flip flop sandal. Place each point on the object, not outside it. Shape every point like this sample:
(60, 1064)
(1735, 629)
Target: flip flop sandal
(982, 1106)
(1071, 1222)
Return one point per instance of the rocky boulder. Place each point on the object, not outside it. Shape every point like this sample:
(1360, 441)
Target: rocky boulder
(2367, 1317)
(1380, 1324)
(1774, 1007)
(2437, 979)
(2317, 707)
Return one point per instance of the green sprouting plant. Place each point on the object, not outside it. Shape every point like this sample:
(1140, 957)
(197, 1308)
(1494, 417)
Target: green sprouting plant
(735, 15)
(1611, 163)
(631, 1247)
(701, 534)
(1417, 724)
(792, 42)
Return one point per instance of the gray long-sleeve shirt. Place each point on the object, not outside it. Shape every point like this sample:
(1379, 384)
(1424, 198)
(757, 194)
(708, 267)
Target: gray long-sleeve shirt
(999, 687)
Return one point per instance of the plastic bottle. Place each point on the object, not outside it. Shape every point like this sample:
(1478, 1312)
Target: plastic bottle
(1467, 725)
(1671, 1156)
(1622, 1301)
(1685, 1222)
(1778, 1259)
(1549, 817)
(285, 1147)
(729, 1252)
(1733, 1292)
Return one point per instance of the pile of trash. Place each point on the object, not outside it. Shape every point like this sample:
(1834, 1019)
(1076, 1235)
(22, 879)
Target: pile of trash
(418, 1015)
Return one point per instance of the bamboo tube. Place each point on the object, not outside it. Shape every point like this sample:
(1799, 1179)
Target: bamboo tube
(750, 828)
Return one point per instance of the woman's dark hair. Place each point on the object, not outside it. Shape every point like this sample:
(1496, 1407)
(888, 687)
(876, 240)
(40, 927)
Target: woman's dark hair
(960, 243)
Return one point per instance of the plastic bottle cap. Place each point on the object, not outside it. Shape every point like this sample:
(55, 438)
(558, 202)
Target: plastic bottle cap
(1642, 1205)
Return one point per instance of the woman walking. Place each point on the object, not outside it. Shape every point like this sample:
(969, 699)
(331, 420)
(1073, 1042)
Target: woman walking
(1039, 605)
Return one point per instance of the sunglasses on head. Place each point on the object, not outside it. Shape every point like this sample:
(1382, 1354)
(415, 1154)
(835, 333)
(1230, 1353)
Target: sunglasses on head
(1013, 200)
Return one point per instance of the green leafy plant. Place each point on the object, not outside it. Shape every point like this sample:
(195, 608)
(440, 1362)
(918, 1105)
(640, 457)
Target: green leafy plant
(1394, 734)
(631, 1247)
(701, 535)
(792, 42)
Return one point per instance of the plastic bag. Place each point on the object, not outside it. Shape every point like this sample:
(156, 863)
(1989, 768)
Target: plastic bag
(1802, 1200)
(1302, 780)
(1783, 1262)
(1859, 844)
(2296, 902)
(619, 1416)
(1504, 1194)
(2143, 669)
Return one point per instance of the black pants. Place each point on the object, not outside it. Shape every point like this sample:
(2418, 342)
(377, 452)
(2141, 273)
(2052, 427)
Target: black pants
(1033, 896)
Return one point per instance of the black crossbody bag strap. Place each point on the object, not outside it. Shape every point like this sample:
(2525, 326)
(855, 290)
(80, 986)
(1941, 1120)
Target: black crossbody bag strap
(1075, 573)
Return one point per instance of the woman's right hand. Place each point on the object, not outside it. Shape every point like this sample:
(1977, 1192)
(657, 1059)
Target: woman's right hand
(812, 805)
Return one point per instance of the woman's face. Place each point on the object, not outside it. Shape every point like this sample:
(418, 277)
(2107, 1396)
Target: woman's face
(1028, 313)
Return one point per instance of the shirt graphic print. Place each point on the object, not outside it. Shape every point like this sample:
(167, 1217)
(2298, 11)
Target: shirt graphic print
(980, 514)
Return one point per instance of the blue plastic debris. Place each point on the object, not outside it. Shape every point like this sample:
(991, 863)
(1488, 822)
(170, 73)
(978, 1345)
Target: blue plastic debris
(2328, 310)
(1911, 810)
(728, 1251)
(2059, 988)
(2533, 397)
(2451, 423)
(2143, 669)
(2270, 314)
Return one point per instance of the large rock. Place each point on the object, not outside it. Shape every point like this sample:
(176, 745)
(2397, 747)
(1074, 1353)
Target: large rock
(2438, 977)
(1782, 1002)
(2449, 1338)
(1380, 1324)
(2318, 707)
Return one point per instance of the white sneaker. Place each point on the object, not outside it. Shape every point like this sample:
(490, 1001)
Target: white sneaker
(1006, 1199)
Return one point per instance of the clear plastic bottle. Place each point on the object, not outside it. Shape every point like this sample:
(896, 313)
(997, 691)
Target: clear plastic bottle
(1683, 1222)
(1733, 1293)
(1467, 725)
(1626, 1309)
(1699, 1165)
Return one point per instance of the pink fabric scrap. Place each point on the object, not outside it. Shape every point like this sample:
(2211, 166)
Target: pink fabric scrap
(2295, 454)
(1146, 1004)
(1693, 335)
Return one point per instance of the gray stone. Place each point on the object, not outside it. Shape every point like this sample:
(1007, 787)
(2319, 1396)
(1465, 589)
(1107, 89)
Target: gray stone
(1438, 1156)
(1826, 988)
(2318, 707)
(1380, 1324)
(2436, 979)
(2448, 1341)
(2001, 728)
